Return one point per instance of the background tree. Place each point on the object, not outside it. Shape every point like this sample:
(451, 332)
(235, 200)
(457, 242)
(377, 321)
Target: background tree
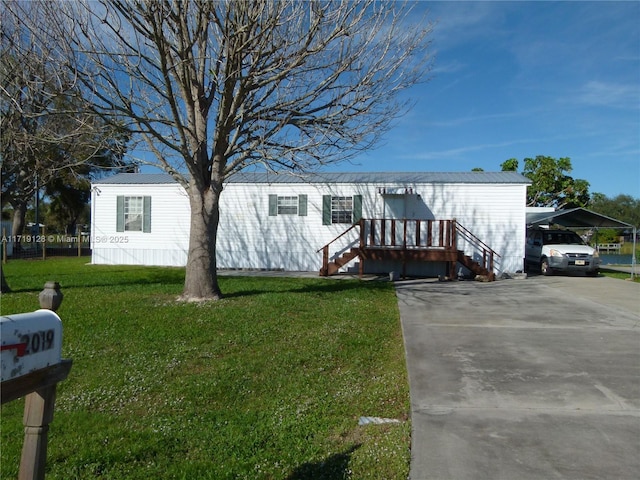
(551, 186)
(621, 207)
(68, 194)
(217, 87)
(510, 165)
(48, 139)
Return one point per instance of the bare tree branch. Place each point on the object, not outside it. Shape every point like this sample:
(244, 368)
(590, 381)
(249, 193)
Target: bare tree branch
(45, 130)
(216, 87)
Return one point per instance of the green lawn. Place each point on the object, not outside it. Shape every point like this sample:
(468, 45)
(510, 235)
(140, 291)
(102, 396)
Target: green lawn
(268, 383)
(620, 275)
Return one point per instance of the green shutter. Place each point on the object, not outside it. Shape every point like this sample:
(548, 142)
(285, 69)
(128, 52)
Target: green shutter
(146, 214)
(120, 213)
(326, 209)
(302, 205)
(357, 208)
(273, 205)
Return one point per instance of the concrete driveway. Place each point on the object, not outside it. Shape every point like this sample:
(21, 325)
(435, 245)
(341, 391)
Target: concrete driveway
(523, 379)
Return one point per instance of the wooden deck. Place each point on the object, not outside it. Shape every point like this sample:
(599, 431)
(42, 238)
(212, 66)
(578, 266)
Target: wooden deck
(407, 241)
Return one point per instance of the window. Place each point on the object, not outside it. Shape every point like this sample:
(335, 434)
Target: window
(133, 208)
(287, 205)
(341, 209)
(133, 214)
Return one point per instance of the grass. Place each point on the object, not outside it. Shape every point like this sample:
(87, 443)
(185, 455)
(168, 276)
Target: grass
(626, 249)
(268, 383)
(619, 275)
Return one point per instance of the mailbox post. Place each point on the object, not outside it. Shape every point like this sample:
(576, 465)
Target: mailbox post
(32, 366)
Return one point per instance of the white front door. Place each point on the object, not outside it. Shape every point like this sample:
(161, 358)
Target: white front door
(394, 206)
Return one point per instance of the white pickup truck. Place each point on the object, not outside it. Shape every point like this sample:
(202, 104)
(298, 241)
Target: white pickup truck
(560, 250)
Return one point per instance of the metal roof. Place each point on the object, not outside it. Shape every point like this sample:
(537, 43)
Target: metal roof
(575, 218)
(381, 177)
(136, 179)
(335, 177)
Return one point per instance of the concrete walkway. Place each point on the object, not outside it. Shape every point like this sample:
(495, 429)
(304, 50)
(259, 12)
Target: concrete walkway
(523, 379)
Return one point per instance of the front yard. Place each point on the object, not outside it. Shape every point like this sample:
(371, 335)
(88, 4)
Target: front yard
(269, 382)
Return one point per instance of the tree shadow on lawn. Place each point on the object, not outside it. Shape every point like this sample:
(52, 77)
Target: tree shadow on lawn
(237, 286)
(110, 278)
(314, 286)
(333, 468)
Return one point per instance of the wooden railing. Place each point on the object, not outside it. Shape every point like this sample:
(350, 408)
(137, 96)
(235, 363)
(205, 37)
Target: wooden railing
(407, 233)
(325, 249)
(398, 234)
(411, 235)
(488, 254)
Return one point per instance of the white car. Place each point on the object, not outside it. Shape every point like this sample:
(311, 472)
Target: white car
(560, 250)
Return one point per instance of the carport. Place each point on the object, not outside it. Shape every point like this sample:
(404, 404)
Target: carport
(582, 218)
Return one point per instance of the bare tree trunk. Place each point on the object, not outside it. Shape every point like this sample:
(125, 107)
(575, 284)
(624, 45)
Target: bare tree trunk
(217, 87)
(17, 227)
(4, 286)
(201, 280)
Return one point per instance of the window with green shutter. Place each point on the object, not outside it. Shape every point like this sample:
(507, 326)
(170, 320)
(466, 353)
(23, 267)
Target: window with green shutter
(120, 213)
(326, 209)
(302, 205)
(146, 215)
(133, 214)
(287, 205)
(357, 208)
(341, 209)
(273, 205)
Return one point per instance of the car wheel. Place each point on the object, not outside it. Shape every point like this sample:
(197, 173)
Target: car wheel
(545, 269)
(592, 273)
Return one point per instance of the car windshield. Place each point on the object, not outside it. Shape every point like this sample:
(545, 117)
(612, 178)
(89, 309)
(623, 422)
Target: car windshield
(562, 238)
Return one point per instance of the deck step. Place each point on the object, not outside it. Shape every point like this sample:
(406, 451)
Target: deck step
(342, 260)
(474, 266)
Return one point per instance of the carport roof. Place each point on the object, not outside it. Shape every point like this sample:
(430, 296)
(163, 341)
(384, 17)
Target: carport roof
(575, 218)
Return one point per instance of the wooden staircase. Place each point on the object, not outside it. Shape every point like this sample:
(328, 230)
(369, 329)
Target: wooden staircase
(413, 241)
(475, 267)
(342, 260)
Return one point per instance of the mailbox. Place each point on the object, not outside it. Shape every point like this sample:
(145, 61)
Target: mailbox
(29, 342)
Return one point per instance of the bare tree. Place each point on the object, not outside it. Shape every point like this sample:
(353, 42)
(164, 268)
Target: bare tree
(217, 87)
(45, 130)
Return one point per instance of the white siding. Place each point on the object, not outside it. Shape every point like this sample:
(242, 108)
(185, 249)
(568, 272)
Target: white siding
(166, 244)
(249, 238)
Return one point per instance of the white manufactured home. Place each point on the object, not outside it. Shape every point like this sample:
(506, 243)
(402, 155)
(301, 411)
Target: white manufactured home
(411, 223)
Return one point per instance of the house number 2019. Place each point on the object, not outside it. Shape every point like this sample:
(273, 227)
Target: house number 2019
(37, 341)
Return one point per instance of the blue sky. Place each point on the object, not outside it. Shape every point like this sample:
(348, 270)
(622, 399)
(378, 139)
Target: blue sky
(520, 79)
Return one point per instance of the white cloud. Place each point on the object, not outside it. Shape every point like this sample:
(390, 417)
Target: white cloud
(447, 68)
(612, 95)
(461, 151)
(456, 122)
(458, 22)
